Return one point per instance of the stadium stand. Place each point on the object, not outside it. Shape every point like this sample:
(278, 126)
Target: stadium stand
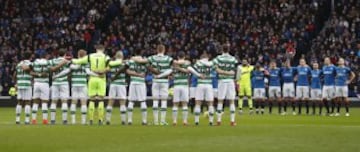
(258, 30)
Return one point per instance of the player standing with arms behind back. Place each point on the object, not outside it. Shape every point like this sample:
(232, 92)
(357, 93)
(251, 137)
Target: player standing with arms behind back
(343, 78)
(302, 86)
(288, 89)
(225, 66)
(97, 82)
(274, 86)
(315, 92)
(328, 90)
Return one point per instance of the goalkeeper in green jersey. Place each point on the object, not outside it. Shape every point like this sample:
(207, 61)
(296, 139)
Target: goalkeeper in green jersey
(97, 82)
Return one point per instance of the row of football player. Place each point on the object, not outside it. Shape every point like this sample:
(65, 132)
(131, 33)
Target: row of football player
(162, 66)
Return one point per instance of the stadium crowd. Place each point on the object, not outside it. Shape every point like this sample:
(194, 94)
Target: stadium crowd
(257, 30)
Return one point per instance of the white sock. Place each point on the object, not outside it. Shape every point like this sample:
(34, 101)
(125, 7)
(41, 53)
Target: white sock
(27, 113)
(34, 110)
(156, 111)
(232, 112)
(53, 112)
(130, 111)
(73, 113)
(163, 111)
(211, 114)
(123, 113)
(185, 113)
(219, 111)
(83, 114)
(108, 113)
(44, 108)
(18, 112)
(64, 109)
(175, 113)
(197, 112)
(144, 112)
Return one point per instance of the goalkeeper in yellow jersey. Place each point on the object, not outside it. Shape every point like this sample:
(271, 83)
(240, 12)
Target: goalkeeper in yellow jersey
(243, 78)
(97, 82)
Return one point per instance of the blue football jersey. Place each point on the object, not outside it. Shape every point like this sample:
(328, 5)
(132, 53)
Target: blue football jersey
(215, 79)
(274, 77)
(342, 75)
(329, 75)
(258, 79)
(303, 74)
(316, 79)
(193, 80)
(287, 74)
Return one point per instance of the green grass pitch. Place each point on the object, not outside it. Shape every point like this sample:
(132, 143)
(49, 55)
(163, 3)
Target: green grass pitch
(252, 134)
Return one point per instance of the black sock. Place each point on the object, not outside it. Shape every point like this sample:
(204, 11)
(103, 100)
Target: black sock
(293, 105)
(307, 107)
(338, 107)
(279, 105)
(270, 107)
(332, 107)
(299, 106)
(192, 104)
(347, 107)
(320, 107)
(327, 106)
(313, 108)
(285, 106)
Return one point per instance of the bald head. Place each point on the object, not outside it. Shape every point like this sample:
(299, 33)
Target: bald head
(100, 48)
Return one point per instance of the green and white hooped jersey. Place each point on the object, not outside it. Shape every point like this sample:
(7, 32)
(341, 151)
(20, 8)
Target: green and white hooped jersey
(79, 76)
(115, 66)
(23, 78)
(139, 68)
(181, 78)
(226, 62)
(41, 66)
(63, 79)
(205, 71)
(161, 63)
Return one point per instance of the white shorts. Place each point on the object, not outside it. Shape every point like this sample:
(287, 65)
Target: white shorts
(288, 90)
(274, 92)
(259, 93)
(60, 92)
(192, 92)
(137, 92)
(117, 92)
(328, 92)
(41, 91)
(315, 94)
(160, 90)
(215, 90)
(226, 90)
(204, 92)
(79, 92)
(302, 92)
(341, 91)
(24, 94)
(181, 94)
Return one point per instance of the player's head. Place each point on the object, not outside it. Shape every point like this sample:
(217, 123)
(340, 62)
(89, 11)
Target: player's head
(181, 55)
(302, 62)
(62, 52)
(327, 61)
(258, 66)
(204, 55)
(341, 62)
(119, 55)
(27, 55)
(81, 53)
(245, 62)
(315, 65)
(160, 48)
(272, 64)
(100, 48)
(226, 47)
